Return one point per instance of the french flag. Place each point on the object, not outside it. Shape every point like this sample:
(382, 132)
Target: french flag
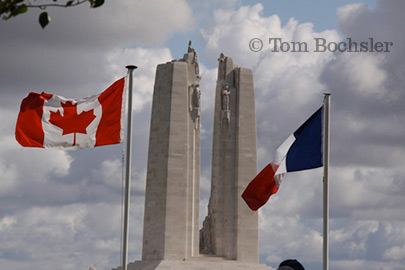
(301, 151)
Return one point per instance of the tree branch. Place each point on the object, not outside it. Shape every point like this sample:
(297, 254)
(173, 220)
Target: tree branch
(68, 4)
(12, 8)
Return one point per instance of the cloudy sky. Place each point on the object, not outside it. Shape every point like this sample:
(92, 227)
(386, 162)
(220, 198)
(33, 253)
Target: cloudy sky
(61, 210)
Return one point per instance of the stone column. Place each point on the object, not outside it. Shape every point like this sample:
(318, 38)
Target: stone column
(172, 184)
(231, 229)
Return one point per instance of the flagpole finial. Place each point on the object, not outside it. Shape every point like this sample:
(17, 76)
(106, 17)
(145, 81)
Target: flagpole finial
(327, 94)
(131, 67)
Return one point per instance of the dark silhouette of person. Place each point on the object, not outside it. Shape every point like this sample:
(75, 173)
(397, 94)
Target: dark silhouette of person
(290, 265)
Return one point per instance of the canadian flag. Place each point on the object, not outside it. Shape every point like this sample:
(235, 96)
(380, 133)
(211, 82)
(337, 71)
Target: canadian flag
(51, 121)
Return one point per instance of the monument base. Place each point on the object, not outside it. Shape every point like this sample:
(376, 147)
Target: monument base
(198, 263)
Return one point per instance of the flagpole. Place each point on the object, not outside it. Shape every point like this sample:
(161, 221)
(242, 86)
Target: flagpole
(326, 139)
(127, 170)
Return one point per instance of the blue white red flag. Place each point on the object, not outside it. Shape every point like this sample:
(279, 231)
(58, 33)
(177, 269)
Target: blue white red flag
(301, 151)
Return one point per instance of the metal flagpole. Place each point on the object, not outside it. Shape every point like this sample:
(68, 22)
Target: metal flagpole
(127, 170)
(326, 138)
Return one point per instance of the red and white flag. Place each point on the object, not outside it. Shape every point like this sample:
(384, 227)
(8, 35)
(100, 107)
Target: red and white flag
(51, 121)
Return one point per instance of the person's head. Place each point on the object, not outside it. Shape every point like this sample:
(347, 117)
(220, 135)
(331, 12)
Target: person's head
(290, 265)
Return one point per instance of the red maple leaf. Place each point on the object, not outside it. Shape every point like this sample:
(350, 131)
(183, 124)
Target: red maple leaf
(71, 122)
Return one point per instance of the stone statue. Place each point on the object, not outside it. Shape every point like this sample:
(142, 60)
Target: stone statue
(190, 49)
(195, 59)
(196, 98)
(221, 57)
(225, 104)
(221, 66)
(225, 98)
(195, 102)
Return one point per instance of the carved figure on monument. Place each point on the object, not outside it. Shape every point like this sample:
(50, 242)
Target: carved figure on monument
(221, 57)
(225, 98)
(195, 97)
(195, 59)
(225, 103)
(190, 49)
(197, 67)
(221, 67)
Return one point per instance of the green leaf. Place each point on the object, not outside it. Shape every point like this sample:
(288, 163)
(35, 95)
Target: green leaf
(97, 3)
(17, 10)
(22, 9)
(44, 19)
(2, 8)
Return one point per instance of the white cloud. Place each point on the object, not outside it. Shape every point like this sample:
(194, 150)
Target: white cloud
(115, 23)
(208, 88)
(290, 238)
(70, 57)
(70, 236)
(9, 176)
(7, 222)
(280, 78)
(110, 173)
(144, 77)
(364, 73)
(231, 31)
(349, 14)
(395, 253)
(149, 22)
(19, 166)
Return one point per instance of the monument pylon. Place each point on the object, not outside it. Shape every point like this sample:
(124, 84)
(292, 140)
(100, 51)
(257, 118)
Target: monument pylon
(172, 184)
(230, 229)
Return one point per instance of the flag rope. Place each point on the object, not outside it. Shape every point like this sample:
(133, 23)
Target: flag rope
(122, 194)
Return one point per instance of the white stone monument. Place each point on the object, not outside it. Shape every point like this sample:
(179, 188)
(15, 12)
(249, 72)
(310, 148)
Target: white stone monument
(171, 236)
